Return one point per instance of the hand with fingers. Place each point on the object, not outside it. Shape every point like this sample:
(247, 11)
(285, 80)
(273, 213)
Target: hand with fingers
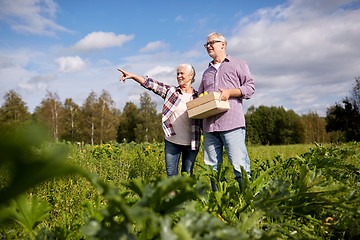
(126, 75)
(224, 94)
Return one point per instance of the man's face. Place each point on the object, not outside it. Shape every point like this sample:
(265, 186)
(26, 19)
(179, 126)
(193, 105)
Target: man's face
(214, 46)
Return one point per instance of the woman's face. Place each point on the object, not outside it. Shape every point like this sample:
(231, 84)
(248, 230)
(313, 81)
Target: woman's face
(184, 77)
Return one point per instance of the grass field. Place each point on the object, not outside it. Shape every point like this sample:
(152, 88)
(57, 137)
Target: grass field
(296, 191)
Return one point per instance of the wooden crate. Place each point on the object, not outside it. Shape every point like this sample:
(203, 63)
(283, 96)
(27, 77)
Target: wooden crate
(207, 106)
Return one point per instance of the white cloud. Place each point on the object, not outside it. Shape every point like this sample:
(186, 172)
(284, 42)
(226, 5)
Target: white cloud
(154, 46)
(13, 68)
(134, 98)
(301, 48)
(31, 16)
(179, 18)
(43, 78)
(27, 72)
(70, 64)
(160, 70)
(5, 62)
(193, 54)
(101, 40)
(38, 82)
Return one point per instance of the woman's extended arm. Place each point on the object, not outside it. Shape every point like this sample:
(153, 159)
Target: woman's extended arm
(126, 75)
(158, 88)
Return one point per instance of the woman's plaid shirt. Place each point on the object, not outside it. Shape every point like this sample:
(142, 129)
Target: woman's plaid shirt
(170, 94)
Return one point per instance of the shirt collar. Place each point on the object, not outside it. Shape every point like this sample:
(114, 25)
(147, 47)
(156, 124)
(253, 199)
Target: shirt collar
(227, 59)
(178, 89)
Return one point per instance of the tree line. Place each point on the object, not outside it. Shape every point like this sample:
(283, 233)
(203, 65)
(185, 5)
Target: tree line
(98, 121)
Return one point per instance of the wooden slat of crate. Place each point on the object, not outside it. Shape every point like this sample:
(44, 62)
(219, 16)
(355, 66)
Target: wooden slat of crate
(207, 106)
(208, 109)
(204, 99)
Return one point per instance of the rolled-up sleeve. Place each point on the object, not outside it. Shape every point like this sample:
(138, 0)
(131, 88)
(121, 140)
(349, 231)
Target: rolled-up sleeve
(247, 85)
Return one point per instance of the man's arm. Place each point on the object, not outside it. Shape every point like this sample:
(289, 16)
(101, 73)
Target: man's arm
(225, 94)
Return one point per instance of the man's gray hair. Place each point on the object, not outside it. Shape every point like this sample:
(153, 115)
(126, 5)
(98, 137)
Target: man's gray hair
(219, 36)
(189, 68)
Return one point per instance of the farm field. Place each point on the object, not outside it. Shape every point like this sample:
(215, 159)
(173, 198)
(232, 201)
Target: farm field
(120, 191)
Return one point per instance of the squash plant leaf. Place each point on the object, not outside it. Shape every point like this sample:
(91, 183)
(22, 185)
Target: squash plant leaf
(26, 213)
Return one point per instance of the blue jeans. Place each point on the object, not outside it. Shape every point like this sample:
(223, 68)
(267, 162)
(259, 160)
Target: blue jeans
(172, 158)
(234, 143)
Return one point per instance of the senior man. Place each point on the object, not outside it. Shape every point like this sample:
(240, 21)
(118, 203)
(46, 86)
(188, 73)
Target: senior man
(231, 77)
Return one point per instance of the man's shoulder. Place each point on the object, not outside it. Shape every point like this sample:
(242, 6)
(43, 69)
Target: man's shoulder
(234, 59)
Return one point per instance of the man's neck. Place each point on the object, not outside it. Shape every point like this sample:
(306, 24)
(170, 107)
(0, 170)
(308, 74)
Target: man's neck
(219, 59)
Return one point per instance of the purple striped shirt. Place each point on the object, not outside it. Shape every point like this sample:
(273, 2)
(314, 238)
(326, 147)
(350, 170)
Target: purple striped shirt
(232, 73)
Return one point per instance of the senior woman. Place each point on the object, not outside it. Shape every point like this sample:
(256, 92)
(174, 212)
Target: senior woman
(182, 134)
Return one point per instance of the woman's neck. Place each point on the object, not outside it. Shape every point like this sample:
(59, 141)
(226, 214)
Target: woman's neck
(186, 89)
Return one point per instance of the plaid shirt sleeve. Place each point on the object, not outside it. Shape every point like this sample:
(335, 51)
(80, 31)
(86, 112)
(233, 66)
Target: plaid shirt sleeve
(158, 88)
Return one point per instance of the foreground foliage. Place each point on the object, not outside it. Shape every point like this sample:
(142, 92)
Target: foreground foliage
(310, 196)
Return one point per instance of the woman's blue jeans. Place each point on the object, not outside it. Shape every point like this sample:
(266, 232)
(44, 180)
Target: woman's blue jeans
(172, 158)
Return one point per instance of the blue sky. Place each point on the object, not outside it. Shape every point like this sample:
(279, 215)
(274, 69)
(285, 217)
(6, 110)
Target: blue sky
(304, 55)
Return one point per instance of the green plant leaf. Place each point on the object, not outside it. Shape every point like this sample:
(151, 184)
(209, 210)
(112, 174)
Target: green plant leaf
(28, 214)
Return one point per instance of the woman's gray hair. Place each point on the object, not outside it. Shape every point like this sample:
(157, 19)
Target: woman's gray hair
(219, 36)
(189, 68)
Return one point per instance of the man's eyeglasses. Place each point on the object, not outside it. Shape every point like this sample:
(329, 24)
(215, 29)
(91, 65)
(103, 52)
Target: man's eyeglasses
(211, 43)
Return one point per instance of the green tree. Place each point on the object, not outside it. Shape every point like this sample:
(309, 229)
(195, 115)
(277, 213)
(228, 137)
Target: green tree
(315, 128)
(71, 120)
(108, 117)
(261, 125)
(252, 125)
(89, 119)
(14, 110)
(355, 94)
(99, 119)
(149, 126)
(273, 125)
(344, 117)
(289, 127)
(50, 113)
(128, 121)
